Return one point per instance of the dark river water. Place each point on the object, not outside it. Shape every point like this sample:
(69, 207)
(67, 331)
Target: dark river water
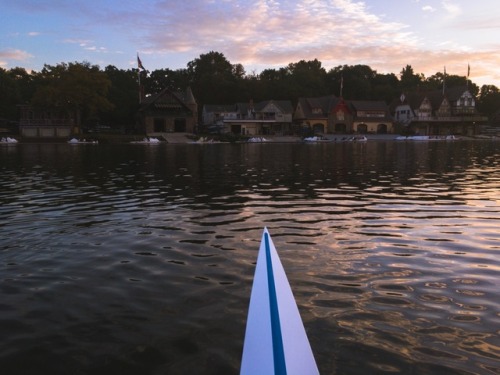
(135, 259)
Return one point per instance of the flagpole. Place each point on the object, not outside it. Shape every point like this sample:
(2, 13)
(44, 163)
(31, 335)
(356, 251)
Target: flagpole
(139, 77)
(341, 83)
(468, 74)
(140, 68)
(444, 80)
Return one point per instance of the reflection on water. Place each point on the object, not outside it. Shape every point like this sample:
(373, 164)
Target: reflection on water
(137, 259)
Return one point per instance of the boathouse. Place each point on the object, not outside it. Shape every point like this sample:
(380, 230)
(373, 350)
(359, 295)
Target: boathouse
(330, 114)
(168, 112)
(45, 123)
(270, 117)
(439, 112)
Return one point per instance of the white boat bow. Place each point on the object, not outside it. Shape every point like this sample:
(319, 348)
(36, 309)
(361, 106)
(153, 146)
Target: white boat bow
(275, 339)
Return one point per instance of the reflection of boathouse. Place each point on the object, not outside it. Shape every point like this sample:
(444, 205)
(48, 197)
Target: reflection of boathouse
(37, 123)
(452, 111)
(330, 114)
(168, 112)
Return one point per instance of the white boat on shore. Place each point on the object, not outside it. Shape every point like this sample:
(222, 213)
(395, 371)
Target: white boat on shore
(204, 140)
(357, 138)
(427, 138)
(275, 339)
(317, 138)
(257, 140)
(148, 141)
(8, 141)
(75, 141)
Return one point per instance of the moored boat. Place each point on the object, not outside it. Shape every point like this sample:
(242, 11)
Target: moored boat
(358, 138)
(204, 140)
(275, 339)
(75, 141)
(317, 138)
(257, 140)
(427, 138)
(148, 141)
(8, 141)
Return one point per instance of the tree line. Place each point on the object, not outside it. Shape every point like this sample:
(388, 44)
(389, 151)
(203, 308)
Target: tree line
(111, 96)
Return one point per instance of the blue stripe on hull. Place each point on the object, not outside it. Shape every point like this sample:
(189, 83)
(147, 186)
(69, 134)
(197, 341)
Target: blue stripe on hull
(278, 350)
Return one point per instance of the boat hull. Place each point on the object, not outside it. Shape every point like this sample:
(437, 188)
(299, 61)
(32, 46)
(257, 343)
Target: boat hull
(275, 339)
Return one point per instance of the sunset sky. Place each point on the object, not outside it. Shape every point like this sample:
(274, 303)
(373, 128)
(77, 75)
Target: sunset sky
(384, 34)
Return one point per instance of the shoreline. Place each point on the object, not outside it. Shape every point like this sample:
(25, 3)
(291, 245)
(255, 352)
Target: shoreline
(176, 138)
(187, 138)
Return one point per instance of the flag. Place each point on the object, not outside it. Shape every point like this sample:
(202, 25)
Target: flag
(139, 63)
(468, 70)
(139, 73)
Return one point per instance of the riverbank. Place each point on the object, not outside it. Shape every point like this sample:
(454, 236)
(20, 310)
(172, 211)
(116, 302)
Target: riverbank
(188, 138)
(183, 138)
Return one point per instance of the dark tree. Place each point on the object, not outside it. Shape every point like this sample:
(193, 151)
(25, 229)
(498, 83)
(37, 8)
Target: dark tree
(124, 96)
(356, 81)
(306, 78)
(385, 87)
(489, 100)
(160, 79)
(212, 79)
(80, 89)
(410, 80)
(9, 96)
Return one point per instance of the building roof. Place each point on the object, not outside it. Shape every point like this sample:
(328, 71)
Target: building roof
(324, 103)
(218, 108)
(168, 99)
(343, 106)
(455, 93)
(368, 105)
(414, 99)
(284, 105)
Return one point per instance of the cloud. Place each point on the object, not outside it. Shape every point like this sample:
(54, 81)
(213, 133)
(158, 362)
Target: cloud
(14, 54)
(87, 45)
(479, 23)
(270, 31)
(452, 9)
(7, 55)
(81, 42)
(271, 34)
(264, 34)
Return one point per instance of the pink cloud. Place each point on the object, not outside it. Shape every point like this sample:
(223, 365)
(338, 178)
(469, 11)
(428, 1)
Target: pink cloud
(272, 33)
(14, 54)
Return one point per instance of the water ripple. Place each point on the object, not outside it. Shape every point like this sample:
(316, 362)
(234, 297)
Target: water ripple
(131, 258)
